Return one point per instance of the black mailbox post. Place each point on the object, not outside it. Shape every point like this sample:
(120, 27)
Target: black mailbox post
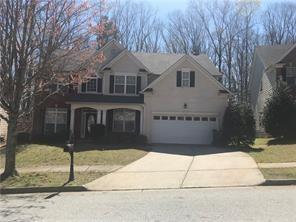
(70, 148)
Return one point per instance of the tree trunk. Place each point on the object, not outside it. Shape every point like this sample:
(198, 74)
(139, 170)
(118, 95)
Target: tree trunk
(10, 169)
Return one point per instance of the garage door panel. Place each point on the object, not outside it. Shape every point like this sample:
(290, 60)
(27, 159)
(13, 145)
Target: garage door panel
(182, 131)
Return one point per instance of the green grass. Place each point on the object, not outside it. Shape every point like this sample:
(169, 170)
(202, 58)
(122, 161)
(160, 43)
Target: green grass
(279, 173)
(49, 179)
(34, 155)
(280, 153)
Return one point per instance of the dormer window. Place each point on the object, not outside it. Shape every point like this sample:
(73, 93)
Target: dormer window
(125, 84)
(92, 85)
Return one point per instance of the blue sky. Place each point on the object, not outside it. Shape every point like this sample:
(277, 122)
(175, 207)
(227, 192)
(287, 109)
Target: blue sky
(165, 6)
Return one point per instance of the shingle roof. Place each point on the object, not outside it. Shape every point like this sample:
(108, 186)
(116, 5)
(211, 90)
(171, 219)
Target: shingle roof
(204, 61)
(158, 63)
(271, 54)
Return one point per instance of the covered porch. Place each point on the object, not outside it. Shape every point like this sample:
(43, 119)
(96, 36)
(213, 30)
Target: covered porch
(116, 118)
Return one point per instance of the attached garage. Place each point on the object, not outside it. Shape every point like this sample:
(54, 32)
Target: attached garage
(183, 128)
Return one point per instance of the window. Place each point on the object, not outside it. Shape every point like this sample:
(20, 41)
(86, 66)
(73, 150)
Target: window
(125, 84)
(180, 117)
(172, 118)
(164, 117)
(130, 85)
(188, 118)
(185, 79)
(196, 118)
(124, 121)
(91, 85)
(119, 84)
(204, 119)
(213, 119)
(156, 117)
(56, 87)
(55, 120)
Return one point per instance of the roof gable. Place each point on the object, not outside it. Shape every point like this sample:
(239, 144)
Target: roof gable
(196, 64)
(157, 63)
(270, 55)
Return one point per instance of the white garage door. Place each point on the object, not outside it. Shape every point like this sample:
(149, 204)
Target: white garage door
(183, 129)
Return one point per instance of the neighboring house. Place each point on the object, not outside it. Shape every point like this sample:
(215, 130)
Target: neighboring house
(271, 65)
(170, 98)
(3, 127)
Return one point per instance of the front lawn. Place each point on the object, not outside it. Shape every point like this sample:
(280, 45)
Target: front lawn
(279, 173)
(279, 153)
(50, 179)
(34, 155)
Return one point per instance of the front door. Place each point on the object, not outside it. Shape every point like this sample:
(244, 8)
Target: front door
(90, 121)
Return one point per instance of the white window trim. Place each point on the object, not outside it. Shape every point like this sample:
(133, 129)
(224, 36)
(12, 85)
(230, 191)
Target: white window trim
(91, 92)
(182, 78)
(55, 111)
(125, 83)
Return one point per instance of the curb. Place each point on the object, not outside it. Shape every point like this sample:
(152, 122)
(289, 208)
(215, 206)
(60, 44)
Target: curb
(279, 183)
(22, 190)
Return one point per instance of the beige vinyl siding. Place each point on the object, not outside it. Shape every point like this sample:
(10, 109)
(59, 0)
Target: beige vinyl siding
(204, 98)
(124, 65)
(3, 125)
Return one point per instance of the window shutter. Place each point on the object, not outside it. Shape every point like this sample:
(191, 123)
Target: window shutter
(83, 87)
(138, 84)
(111, 86)
(179, 78)
(99, 85)
(192, 79)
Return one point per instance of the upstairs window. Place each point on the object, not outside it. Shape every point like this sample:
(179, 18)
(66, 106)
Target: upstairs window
(125, 84)
(185, 79)
(93, 85)
(119, 84)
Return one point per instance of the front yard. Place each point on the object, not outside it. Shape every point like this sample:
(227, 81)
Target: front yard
(40, 156)
(268, 151)
(280, 153)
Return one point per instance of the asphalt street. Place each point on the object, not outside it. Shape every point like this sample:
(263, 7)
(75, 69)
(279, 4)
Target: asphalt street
(205, 204)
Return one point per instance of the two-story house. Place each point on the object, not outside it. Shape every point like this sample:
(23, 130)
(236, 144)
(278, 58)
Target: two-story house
(170, 98)
(271, 65)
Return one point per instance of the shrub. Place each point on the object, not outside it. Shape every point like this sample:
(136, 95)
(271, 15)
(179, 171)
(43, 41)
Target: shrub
(238, 125)
(123, 138)
(279, 115)
(23, 138)
(98, 130)
(54, 138)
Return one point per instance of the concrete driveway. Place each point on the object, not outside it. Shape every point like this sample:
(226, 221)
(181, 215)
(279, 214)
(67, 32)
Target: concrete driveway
(183, 166)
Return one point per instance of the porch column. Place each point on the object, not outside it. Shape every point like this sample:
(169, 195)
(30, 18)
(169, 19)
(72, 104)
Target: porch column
(72, 119)
(141, 121)
(98, 116)
(104, 116)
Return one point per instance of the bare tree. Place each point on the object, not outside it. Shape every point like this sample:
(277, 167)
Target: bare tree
(184, 33)
(279, 23)
(34, 37)
(137, 26)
